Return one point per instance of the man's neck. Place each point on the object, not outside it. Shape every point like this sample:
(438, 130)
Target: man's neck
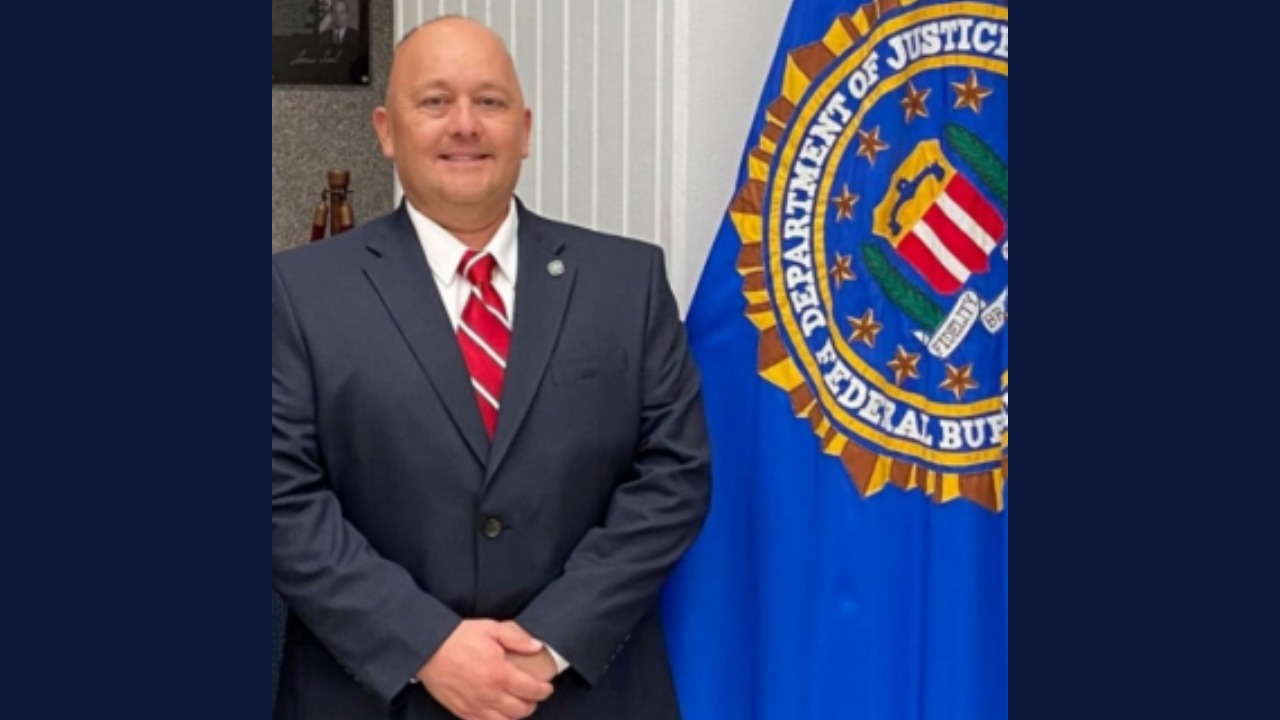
(474, 230)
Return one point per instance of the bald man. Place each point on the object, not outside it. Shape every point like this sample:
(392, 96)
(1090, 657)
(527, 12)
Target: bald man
(488, 447)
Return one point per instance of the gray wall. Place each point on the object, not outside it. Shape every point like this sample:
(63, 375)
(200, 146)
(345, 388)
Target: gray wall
(316, 128)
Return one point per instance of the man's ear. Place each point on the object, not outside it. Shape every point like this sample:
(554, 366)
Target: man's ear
(528, 130)
(382, 125)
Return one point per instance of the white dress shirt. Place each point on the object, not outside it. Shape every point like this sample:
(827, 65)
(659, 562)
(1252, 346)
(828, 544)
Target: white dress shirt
(444, 254)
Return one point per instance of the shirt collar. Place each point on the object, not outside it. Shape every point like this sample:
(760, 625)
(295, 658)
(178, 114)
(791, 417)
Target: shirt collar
(444, 251)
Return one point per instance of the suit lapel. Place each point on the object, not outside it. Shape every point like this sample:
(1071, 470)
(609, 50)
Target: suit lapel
(401, 276)
(541, 300)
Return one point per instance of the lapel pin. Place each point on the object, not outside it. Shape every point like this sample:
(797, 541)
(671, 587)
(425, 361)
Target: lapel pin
(556, 268)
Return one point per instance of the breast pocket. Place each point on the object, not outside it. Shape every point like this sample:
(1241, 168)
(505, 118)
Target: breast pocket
(576, 368)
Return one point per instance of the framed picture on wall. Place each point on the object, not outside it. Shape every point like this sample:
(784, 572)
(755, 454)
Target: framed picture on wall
(320, 42)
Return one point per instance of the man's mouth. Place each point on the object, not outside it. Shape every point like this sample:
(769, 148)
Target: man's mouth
(465, 157)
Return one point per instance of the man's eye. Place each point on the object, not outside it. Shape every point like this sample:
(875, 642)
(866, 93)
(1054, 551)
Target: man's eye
(434, 102)
(490, 102)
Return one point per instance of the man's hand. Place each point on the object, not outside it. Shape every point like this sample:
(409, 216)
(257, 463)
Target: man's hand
(471, 677)
(539, 663)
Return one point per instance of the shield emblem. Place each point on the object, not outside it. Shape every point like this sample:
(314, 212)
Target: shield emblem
(939, 223)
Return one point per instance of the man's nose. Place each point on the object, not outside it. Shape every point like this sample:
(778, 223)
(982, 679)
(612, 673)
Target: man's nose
(464, 120)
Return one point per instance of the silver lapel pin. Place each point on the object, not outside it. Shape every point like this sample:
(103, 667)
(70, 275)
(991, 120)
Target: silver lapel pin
(555, 268)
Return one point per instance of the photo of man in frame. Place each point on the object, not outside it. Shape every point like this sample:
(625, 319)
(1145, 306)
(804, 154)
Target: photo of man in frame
(320, 42)
(340, 24)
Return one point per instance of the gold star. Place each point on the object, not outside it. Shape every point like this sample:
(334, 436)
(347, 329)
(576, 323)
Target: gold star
(870, 145)
(906, 365)
(971, 94)
(844, 205)
(842, 271)
(865, 329)
(960, 381)
(913, 103)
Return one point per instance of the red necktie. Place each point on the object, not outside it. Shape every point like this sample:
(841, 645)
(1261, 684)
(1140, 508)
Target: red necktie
(485, 336)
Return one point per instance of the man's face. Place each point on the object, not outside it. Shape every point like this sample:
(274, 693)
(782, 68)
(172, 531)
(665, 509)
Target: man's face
(455, 122)
(341, 15)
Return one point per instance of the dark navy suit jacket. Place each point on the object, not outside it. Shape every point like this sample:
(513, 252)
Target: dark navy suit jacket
(393, 515)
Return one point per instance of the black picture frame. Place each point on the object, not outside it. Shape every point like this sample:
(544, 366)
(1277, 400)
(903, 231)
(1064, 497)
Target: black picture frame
(320, 42)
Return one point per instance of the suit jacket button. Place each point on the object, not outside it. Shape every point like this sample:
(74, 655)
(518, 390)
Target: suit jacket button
(492, 528)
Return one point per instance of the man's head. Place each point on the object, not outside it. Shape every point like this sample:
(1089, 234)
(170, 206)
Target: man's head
(455, 123)
(341, 15)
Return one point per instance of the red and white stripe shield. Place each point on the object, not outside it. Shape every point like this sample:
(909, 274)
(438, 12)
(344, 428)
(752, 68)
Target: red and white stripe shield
(955, 238)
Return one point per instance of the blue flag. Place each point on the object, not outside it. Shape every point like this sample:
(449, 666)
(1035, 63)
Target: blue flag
(852, 328)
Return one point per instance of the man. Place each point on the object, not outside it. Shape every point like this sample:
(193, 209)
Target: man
(339, 30)
(483, 466)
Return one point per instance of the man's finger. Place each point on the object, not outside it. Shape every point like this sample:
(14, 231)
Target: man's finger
(514, 638)
(524, 686)
(513, 707)
(501, 712)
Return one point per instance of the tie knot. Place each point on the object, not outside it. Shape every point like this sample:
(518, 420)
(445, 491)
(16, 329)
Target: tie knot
(477, 268)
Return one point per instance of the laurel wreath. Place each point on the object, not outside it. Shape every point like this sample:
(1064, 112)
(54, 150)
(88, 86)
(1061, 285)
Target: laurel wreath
(991, 170)
(911, 300)
(993, 173)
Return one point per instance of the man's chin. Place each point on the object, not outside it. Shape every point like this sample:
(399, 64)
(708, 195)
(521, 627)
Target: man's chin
(469, 197)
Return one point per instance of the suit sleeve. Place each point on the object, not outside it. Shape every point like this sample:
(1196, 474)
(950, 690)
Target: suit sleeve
(614, 576)
(366, 610)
